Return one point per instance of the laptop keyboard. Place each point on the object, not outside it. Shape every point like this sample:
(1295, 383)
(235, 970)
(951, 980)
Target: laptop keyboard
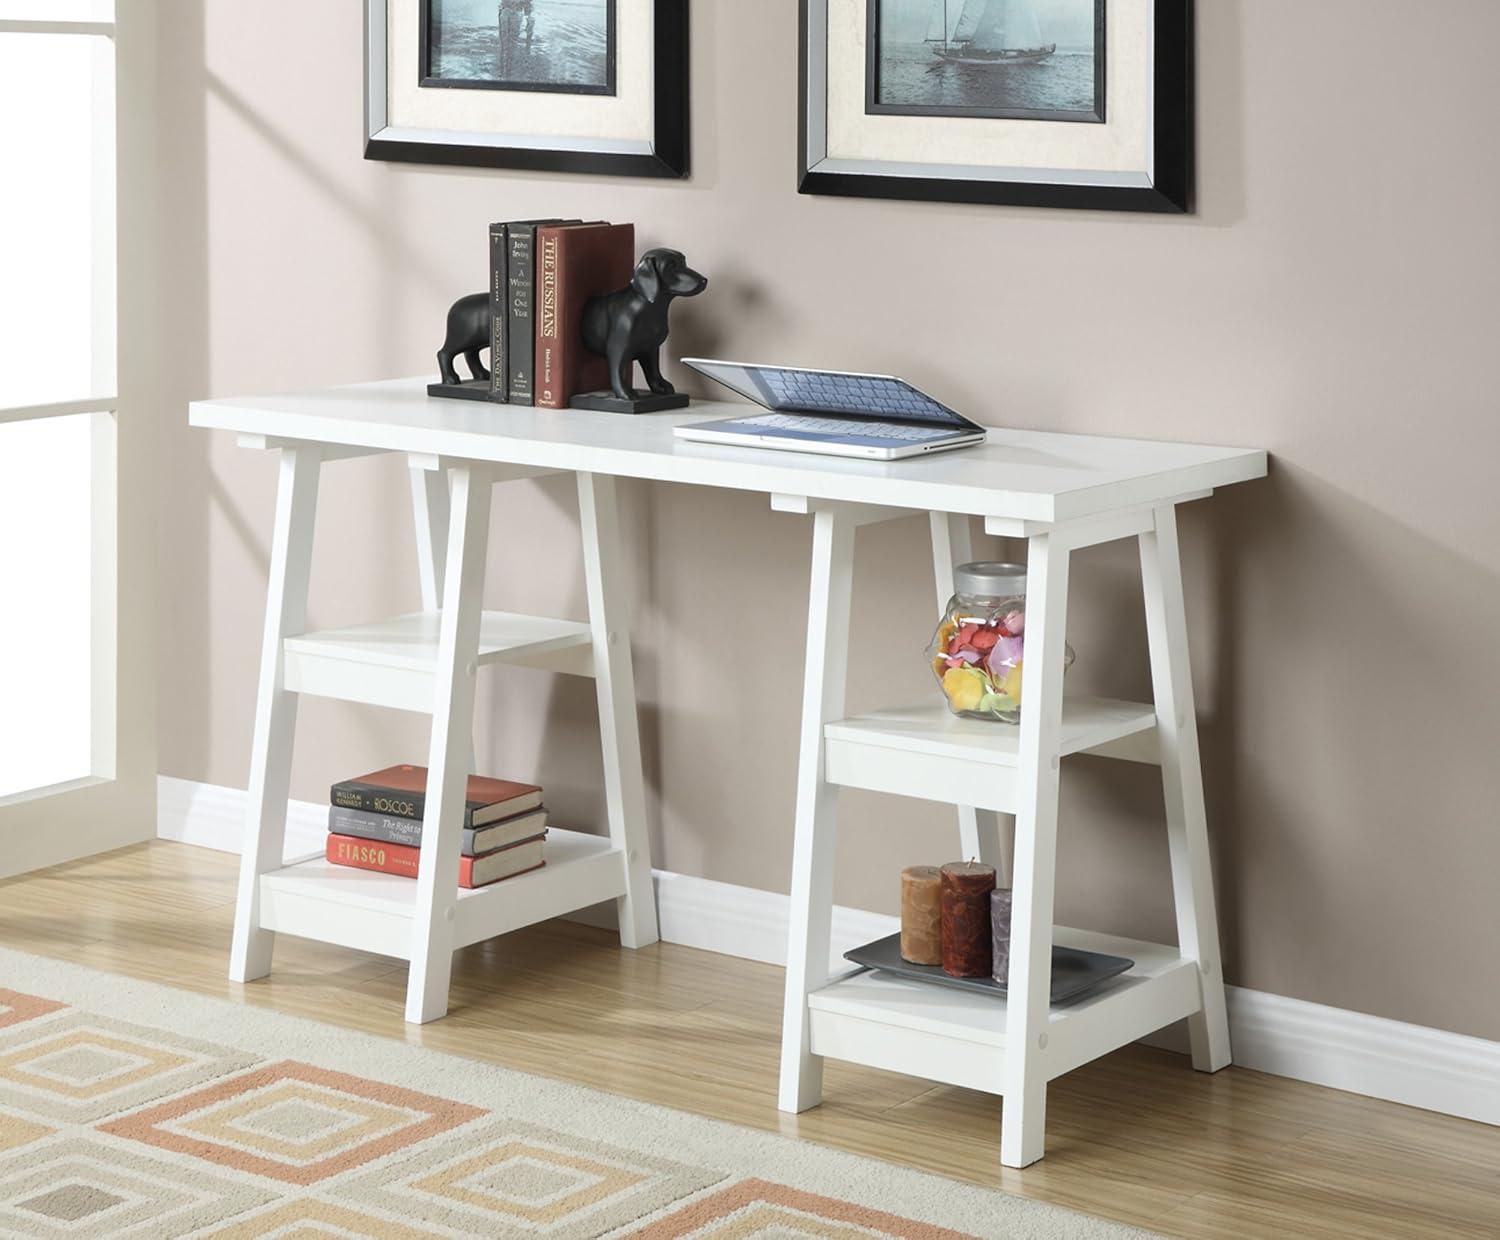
(840, 393)
(834, 426)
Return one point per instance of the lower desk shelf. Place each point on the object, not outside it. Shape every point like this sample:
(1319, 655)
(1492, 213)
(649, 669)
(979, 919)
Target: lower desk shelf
(314, 899)
(958, 1037)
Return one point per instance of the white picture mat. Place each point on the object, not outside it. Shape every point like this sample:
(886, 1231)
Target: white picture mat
(519, 117)
(1116, 152)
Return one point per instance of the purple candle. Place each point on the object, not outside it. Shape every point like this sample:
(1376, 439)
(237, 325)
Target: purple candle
(1000, 934)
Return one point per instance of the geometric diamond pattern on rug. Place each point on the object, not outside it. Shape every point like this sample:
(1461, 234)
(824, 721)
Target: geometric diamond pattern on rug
(84, 1186)
(15, 1131)
(16, 1007)
(765, 1211)
(511, 1179)
(310, 1217)
(293, 1122)
(79, 1068)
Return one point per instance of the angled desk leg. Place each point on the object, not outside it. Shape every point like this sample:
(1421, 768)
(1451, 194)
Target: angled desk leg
(1182, 783)
(429, 510)
(452, 727)
(614, 680)
(276, 707)
(1024, 1110)
(980, 831)
(811, 929)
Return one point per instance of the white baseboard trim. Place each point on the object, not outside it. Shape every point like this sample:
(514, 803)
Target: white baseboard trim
(212, 816)
(1370, 1055)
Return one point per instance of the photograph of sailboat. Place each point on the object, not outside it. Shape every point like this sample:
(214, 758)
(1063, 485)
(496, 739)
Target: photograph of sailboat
(565, 46)
(1019, 59)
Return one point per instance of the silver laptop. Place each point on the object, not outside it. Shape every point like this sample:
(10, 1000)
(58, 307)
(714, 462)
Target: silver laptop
(830, 412)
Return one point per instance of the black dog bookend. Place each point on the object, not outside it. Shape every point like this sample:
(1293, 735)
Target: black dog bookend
(470, 322)
(630, 326)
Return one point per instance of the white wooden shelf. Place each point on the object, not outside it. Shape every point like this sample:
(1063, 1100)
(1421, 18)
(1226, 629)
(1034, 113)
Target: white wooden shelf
(958, 1037)
(391, 662)
(315, 899)
(927, 751)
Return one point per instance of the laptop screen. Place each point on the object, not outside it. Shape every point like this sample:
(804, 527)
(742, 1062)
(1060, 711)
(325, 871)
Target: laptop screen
(787, 390)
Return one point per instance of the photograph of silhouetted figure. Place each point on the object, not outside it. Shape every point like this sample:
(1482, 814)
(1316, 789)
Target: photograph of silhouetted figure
(567, 46)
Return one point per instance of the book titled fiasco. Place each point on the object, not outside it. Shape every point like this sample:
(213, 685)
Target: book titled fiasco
(403, 860)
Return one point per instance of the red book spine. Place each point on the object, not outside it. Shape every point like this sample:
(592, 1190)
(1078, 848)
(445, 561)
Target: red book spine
(398, 859)
(372, 855)
(574, 263)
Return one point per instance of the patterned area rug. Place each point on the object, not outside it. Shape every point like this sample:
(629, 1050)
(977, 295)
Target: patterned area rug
(133, 1110)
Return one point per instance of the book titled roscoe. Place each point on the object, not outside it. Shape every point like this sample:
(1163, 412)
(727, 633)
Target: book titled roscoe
(401, 791)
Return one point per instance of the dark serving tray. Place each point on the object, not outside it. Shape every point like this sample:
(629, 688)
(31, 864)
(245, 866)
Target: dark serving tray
(1073, 971)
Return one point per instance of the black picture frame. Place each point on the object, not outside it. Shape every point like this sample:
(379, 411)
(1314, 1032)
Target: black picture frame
(426, 77)
(665, 154)
(874, 107)
(1170, 190)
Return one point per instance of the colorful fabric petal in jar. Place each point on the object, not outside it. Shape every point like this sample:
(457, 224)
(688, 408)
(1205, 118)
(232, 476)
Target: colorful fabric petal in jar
(978, 650)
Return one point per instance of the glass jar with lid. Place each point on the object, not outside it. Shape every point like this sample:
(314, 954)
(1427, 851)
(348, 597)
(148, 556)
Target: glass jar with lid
(979, 648)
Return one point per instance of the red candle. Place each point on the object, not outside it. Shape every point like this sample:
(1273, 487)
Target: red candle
(966, 887)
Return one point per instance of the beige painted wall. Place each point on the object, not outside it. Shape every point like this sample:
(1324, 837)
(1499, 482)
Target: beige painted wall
(1334, 300)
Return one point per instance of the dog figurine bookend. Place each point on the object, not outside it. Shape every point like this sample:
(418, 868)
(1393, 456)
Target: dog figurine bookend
(629, 326)
(624, 327)
(470, 323)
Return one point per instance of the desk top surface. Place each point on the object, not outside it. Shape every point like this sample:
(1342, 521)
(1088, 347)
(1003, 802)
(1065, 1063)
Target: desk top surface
(1027, 475)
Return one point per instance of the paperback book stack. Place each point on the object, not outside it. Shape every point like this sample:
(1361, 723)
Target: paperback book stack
(541, 274)
(375, 823)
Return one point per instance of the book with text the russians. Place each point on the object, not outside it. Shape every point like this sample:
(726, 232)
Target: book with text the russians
(401, 792)
(388, 829)
(505, 280)
(403, 860)
(574, 263)
(517, 367)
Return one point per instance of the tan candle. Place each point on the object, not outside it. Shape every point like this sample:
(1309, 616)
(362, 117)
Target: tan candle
(966, 887)
(921, 915)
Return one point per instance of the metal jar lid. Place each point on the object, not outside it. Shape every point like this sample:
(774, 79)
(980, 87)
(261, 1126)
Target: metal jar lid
(990, 579)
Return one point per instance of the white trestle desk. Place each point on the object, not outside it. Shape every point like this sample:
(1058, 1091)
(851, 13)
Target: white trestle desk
(1059, 492)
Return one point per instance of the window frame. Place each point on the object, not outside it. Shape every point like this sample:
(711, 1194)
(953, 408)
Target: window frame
(115, 803)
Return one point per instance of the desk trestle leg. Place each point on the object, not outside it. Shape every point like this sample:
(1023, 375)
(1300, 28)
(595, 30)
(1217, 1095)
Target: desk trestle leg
(276, 706)
(888, 1025)
(614, 679)
(452, 728)
(430, 517)
(811, 929)
(981, 832)
(1182, 783)
(1023, 1114)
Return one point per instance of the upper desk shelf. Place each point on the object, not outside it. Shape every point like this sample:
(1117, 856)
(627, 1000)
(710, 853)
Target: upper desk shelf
(1019, 475)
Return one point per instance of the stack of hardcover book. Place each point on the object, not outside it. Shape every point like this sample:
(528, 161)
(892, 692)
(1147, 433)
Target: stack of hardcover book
(375, 823)
(541, 274)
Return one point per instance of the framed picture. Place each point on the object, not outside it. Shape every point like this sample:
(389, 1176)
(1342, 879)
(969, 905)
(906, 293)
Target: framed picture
(1053, 103)
(597, 86)
(567, 47)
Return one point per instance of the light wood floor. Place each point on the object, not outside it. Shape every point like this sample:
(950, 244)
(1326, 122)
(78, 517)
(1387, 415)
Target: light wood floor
(1137, 1136)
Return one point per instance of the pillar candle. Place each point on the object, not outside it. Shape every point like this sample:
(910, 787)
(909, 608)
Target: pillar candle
(1000, 934)
(921, 915)
(966, 887)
